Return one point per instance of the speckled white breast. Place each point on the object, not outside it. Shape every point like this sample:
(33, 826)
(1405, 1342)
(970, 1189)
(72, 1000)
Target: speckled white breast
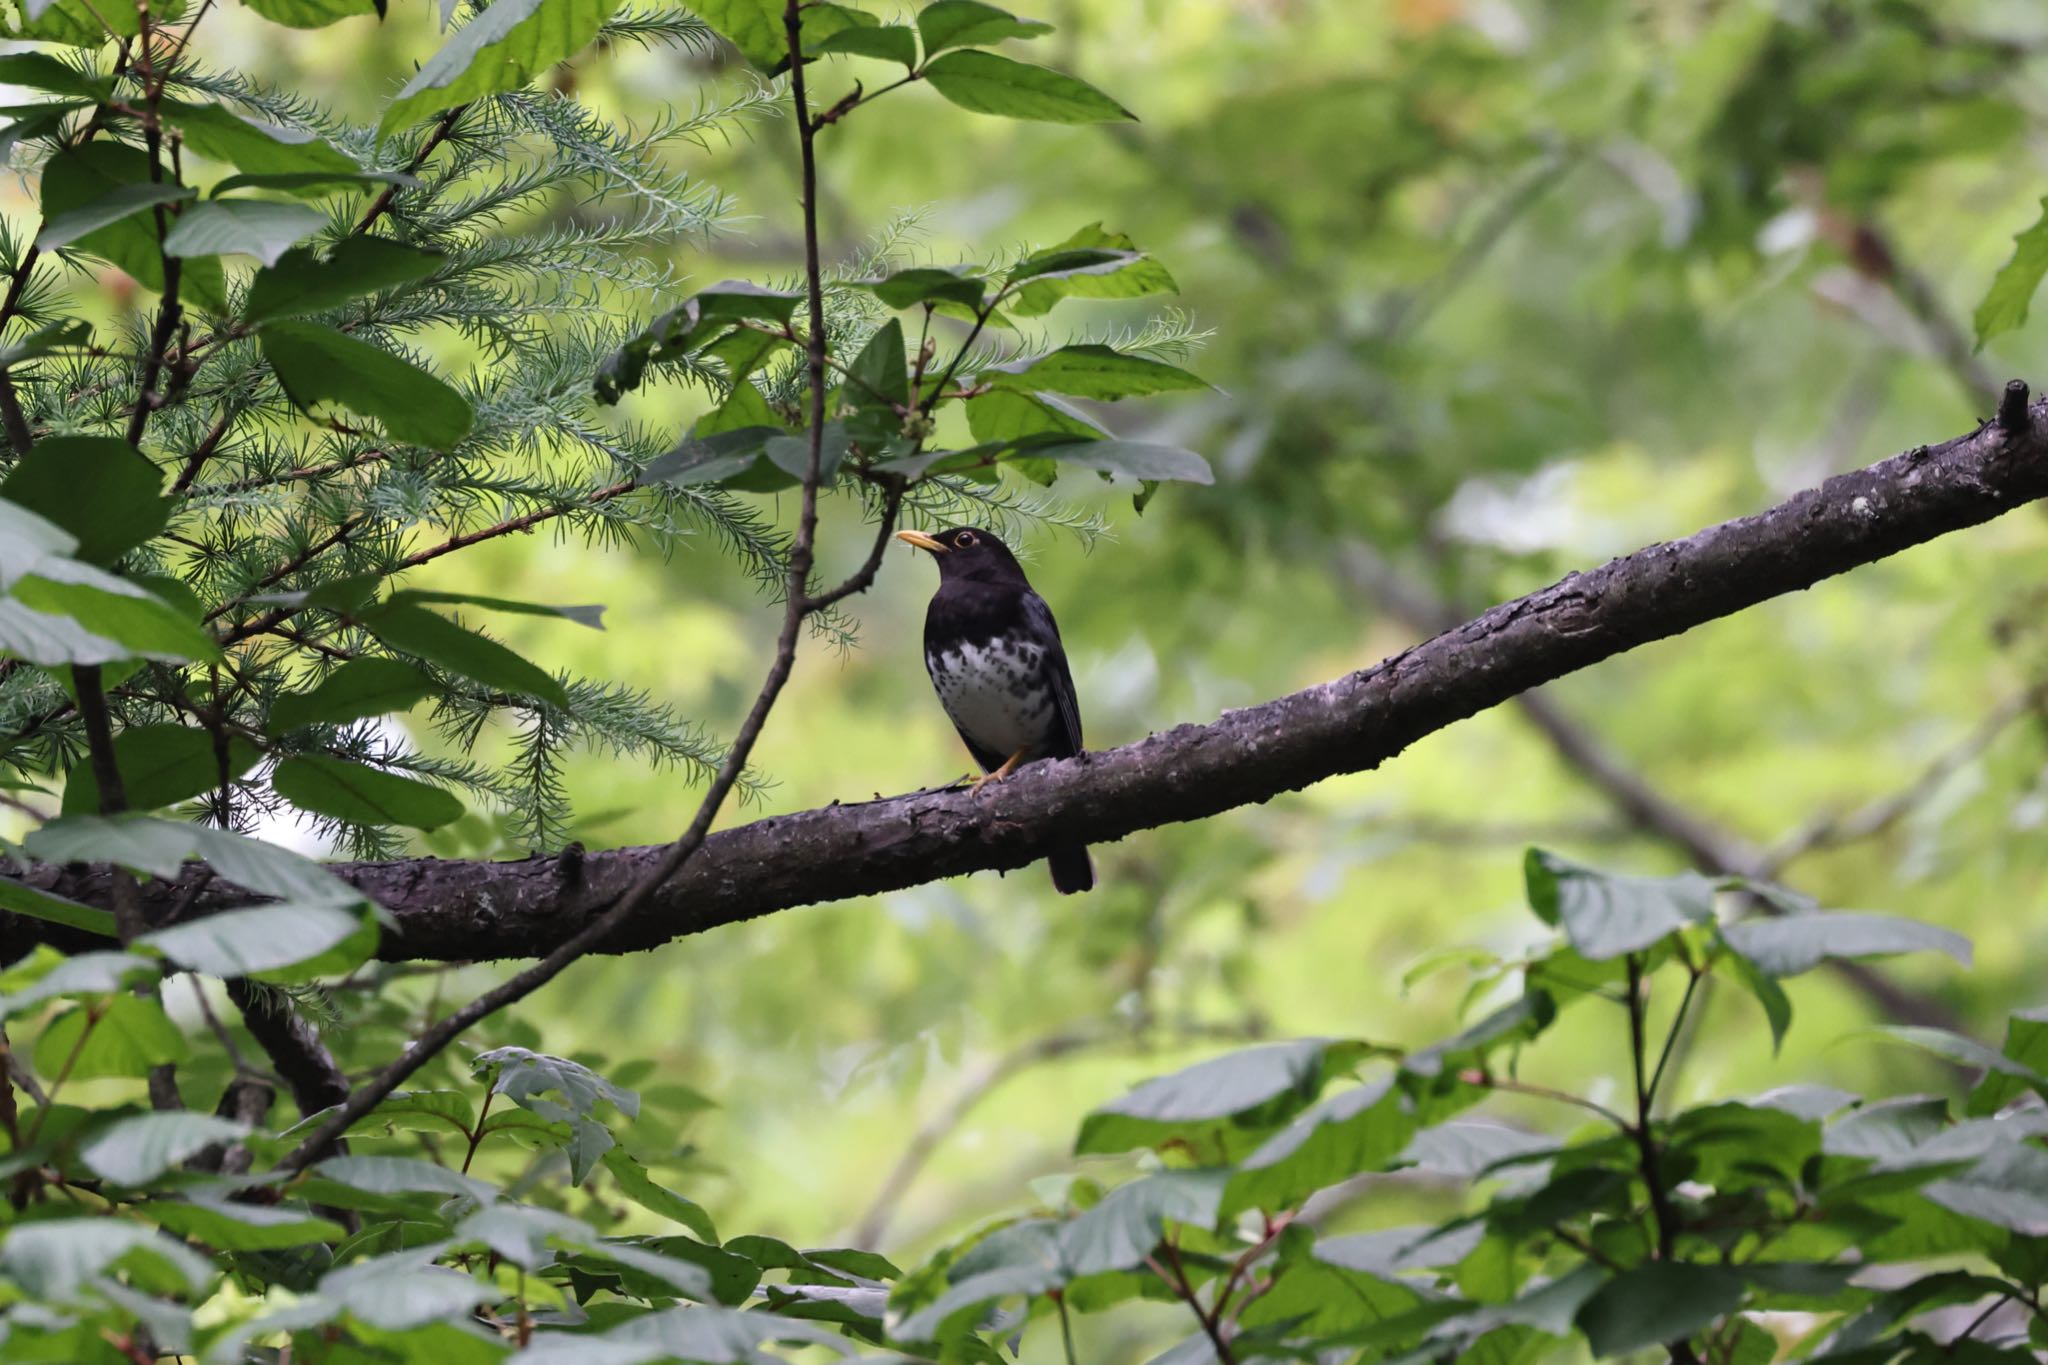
(995, 693)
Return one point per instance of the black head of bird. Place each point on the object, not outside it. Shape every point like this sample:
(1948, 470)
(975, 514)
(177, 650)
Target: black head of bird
(995, 658)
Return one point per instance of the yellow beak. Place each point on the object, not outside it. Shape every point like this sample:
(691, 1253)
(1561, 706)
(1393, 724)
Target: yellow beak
(924, 542)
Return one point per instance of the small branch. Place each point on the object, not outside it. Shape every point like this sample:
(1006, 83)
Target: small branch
(1692, 986)
(443, 126)
(1211, 1327)
(1542, 1092)
(202, 452)
(106, 772)
(299, 475)
(294, 1047)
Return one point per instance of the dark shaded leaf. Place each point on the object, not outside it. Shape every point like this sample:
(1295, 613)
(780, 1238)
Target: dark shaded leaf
(299, 282)
(362, 795)
(988, 84)
(318, 364)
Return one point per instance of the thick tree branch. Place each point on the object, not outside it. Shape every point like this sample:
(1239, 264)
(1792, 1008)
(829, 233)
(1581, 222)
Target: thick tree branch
(454, 911)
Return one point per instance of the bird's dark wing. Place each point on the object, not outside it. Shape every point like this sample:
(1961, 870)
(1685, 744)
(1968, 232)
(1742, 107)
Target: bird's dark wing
(1039, 617)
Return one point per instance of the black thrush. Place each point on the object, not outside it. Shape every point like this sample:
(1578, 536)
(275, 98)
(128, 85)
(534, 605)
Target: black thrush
(1001, 673)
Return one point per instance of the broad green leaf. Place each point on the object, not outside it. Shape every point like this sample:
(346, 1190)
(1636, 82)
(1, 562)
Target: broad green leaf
(48, 339)
(143, 625)
(123, 201)
(1130, 274)
(255, 148)
(1093, 371)
(160, 765)
(241, 1227)
(928, 284)
(403, 1290)
(53, 1258)
(30, 123)
(316, 364)
(884, 42)
(792, 454)
(79, 179)
(1606, 915)
(1070, 262)
(521, 1075)
(988, 84)
(1347, 1134)
(703, 1335)
(2004, 305)
(592, 616)
(2026, 1042)
(131, 1035)
(500, 49)
(1222, 1106)
(26, 900)
(126, 507)
(279, 943)
(1776, 1004)
(417, 631)
(879, 375)
(1139, 459)
(403, 1175)
(41, 71)
(316, 184)
(2008, 1188)
(159, 848)
(1787, 945)
(752, 26)
(1513, 1023)
(313, 13)
(299, 282)
(695, 321)
(524, 1235)
(362, 795)
(638, 1186)
(1966, 1052)
(1127, 1226)
(1654, 1303)
(135, 1151)
(251, 227)
(970, 23)
(1312, 1296)
(27, 539)
(711, 459)
(358, 689)
(1007, 416)
(100, 973)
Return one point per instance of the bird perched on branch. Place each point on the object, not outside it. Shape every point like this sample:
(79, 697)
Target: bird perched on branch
(996, 661)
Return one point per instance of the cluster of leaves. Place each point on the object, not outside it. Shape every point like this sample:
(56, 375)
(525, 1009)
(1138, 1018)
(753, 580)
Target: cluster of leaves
(195, 1233)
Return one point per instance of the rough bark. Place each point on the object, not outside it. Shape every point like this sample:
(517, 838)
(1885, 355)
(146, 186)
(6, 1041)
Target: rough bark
(456, 911)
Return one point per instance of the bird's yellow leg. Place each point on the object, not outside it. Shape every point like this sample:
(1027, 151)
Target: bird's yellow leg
(1009, 765)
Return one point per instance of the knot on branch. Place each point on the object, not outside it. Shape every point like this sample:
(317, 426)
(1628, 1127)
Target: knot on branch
(2012, 408)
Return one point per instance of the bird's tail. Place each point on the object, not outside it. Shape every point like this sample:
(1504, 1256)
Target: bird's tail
(1071, 870)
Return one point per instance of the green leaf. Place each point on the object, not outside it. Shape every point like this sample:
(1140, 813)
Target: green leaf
(2007, 1188)
(638, 1186)
(160, 765)
(285, 944)
(1121, 1231)
(884, 42)
(2026, 1042)
(879, 375)
(71, 334)
(2004, 305)
(970, 23)
(255, 148)
(1127, 274)
(132, 1035)
(1787, 945)
(1607, 915)
(752, 26)
(1093, 371)
(1657, 1302)
(929, 284)
(122, 201)
(27, 539)
(241, 1227)
(316, 184)
(711, 459)
(52, 1258)
(703, 1335)
(688, 325)
(403, 1290)
(41, 71)
(80, 178)
(1139, 459)
(500, 49)
(592, 616)
(403, 1175)
(358, 689)
(1965, 1051)
(988, 84)
(1004, 415)
(135, 1151)
(26, 900)
(143, 625)
(1347, 1134)
(1220, 1106)
(430, 636)
(362, 795)
(125, 509)
(159, 848)
(299, 282)
(316, 364)
(313, 13)
(1776, 1004)
(249, 227)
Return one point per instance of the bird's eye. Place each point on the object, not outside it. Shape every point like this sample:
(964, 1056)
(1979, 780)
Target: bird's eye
(964, 539)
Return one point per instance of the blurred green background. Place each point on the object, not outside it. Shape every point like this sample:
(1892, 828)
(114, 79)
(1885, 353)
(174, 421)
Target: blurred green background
(1492, 290)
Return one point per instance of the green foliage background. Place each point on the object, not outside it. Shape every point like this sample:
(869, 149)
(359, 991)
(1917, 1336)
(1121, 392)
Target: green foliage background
(1489, 291)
